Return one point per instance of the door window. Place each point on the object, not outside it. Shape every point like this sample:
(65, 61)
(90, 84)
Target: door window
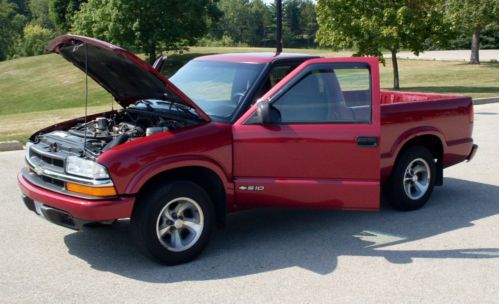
(328, 94)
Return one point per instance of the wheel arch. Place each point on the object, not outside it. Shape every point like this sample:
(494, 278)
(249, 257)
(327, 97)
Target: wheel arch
(210, 179)
(434, 142)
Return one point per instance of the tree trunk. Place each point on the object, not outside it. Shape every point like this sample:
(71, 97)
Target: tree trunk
(151, 53)
(475, 47)
(396, 80)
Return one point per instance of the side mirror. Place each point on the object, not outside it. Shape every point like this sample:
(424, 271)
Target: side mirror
(266, 113)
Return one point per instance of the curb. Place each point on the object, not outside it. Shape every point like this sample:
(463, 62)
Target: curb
(10, 146)
(481, 101)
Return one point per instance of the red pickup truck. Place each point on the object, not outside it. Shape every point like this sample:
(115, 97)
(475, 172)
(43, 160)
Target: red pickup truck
(232, 132)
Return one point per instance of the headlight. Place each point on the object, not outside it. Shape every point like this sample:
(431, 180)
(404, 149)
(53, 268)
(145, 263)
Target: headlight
(86, 168)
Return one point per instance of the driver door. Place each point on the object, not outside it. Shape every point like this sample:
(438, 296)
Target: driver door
(322, 147)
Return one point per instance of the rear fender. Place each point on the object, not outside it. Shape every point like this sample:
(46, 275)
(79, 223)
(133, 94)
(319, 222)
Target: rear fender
(407, 136)
(391, 157)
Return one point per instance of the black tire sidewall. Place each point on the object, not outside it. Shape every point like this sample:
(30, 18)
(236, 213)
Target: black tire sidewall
(394, 189)
(145, 217)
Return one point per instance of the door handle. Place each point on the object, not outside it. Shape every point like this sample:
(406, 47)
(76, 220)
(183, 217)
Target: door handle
(367, 141)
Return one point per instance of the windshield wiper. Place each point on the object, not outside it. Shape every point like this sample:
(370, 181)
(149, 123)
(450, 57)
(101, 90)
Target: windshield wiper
(147, 103)
(170, 105)
(185, 109)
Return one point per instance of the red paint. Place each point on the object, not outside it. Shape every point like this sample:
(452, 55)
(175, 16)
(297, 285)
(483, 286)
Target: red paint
(208, 145)
(314, 165)
(321, 164)
(443, 116)
(309, 193)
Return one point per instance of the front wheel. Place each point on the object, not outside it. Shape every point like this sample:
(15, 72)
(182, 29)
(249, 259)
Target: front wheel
(172, 223)
(412, 180)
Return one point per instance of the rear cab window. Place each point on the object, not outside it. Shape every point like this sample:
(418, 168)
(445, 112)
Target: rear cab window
(276, 74)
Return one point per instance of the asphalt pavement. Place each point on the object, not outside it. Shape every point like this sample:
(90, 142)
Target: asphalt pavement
(451, 55)
(447, 252)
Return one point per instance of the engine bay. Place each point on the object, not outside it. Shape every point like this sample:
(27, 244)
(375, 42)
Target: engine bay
(98, 135)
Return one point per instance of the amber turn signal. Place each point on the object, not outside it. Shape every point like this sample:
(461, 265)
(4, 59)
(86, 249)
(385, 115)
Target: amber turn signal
(89, 190)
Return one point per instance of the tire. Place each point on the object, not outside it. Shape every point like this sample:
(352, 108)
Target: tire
(172, 222)
(408, 189)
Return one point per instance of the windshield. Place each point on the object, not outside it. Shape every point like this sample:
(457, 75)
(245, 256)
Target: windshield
(217, 87)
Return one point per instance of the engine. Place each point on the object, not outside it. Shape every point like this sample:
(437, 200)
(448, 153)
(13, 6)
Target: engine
(104, 133)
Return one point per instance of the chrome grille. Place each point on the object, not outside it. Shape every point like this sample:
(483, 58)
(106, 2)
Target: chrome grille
(39, 158)
(47, 159)
(53, 181)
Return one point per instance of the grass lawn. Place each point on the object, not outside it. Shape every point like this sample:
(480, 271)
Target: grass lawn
(38, 91)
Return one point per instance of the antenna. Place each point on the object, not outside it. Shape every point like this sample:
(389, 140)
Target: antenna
(86, 99)
(278, 21)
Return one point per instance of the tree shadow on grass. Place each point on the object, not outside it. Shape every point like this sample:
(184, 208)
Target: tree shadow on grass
(485, 64)
(265, 240)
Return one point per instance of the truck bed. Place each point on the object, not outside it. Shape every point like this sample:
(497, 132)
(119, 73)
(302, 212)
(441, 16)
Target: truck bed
(406, 115)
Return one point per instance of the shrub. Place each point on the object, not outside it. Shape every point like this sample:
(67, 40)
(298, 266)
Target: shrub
(34, 40)
(226, 41)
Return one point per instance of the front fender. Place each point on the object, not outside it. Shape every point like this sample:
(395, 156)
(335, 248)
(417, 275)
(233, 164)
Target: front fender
(152, 170)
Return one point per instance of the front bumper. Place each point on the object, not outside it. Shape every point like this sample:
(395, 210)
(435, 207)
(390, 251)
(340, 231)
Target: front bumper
(70, 211)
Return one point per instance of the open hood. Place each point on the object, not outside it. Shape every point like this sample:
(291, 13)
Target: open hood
(127, 77)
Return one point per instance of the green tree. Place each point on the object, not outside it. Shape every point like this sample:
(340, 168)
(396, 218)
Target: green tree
(39, 10)
(489, 39)
(291, 20)
(371, 26)
(473, 17)
(11, 24)
(309, 24)
(146, 25)
(299, 23)
(97, 18)
(236, 21)
(61, 12)
(261, 20)
(252, 22)
(22, 7)
(34, 40)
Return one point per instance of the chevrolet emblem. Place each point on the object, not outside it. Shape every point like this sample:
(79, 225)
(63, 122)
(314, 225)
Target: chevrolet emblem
(38, 170)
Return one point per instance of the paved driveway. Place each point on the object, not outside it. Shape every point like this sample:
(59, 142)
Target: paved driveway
(455, 55)
(447, 252)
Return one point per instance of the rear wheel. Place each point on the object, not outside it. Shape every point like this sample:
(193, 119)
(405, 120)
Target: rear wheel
(412, 180)
(172, 223)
